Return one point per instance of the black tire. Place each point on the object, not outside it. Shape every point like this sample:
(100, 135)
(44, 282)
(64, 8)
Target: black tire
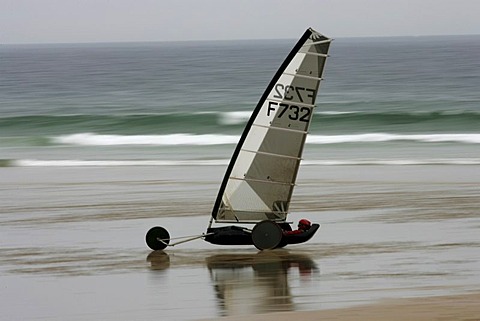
(266, 235)
(157, 238)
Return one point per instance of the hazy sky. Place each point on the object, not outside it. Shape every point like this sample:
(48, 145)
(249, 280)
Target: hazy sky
(53, 21)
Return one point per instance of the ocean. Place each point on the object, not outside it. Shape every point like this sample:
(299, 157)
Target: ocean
(100, 142)
(389, 101)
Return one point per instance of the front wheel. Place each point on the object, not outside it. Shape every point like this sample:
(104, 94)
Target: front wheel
(157, 238)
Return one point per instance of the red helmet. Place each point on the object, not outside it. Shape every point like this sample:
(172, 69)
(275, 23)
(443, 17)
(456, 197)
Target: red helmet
(304, 222)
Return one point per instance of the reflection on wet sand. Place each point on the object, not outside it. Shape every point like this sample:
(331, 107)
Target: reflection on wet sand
(250, 283)
(258, 283)
(159, 260)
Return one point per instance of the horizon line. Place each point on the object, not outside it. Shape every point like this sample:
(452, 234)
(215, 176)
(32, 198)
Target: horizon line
(227, 40)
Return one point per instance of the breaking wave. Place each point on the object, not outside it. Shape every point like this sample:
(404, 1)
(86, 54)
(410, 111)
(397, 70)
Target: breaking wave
(93, 139)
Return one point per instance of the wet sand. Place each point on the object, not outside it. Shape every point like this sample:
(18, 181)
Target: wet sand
(395, 241)
(459, 307)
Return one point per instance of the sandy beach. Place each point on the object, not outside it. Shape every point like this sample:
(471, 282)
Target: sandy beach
(396, 243)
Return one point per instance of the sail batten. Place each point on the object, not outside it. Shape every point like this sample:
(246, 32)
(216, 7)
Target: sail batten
(271, 154)
(318, 43)
(317, 54)
(304, 76)
(283, 129)
(261, 176)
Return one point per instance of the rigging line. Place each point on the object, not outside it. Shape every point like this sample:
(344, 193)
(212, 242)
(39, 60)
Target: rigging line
(262, 181)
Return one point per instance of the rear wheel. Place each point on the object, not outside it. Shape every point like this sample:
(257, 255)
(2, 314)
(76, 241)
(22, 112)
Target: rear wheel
(157, 238)
(266, 235)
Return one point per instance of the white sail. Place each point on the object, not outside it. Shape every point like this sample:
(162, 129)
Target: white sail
(260, 178)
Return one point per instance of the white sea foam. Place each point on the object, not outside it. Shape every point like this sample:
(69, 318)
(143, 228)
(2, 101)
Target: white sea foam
(108, 163)
(334, 112)
(234, 117)
(394, 162)
(92, 139)
(386, 137)
(224, 162)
